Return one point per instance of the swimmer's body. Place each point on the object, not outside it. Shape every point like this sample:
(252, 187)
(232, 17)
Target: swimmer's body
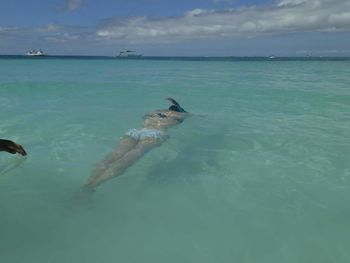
(134, 145)
(11, 147)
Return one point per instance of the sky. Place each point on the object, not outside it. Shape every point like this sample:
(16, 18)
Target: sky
(176, 27)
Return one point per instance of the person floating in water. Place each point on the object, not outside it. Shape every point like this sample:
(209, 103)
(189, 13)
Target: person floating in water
(134, 145)
(11, 147)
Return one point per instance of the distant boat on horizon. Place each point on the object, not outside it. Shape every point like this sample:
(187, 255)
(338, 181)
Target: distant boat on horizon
(35, 53)
(126, 53)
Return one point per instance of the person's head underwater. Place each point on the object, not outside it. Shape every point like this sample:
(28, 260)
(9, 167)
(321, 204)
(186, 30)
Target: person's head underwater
(162, 119)
(175, 106)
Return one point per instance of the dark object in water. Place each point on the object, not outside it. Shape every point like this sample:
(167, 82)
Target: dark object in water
(11, 147)
(176, 106)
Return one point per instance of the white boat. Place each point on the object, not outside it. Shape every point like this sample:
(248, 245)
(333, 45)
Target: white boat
(35, 52)
(128, 54)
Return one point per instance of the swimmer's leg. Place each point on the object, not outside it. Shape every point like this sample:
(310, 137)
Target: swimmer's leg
(125, 145)
(121, 165)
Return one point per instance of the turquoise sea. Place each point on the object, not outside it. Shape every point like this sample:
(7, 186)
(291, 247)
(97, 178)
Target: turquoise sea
(260, 173)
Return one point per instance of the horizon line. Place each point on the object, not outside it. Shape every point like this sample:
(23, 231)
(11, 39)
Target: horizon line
(181, 56)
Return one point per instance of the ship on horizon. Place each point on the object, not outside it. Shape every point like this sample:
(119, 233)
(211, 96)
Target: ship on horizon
(35, 53)
(126, 53)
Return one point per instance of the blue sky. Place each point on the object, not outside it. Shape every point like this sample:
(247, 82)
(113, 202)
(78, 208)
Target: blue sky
(177, 27)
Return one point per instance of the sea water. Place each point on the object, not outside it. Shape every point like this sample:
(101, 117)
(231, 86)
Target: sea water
(259, 173)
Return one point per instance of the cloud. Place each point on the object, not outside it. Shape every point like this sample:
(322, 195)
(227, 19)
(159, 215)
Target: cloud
(7, 29)
(73, 4)
(197, 12)
(284, 16)
(45, 34)
(291, 2)
(48, 28)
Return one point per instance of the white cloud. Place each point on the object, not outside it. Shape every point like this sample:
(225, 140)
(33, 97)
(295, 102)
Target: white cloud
(197, 12)
(291, 2)
(50, 33)
(62, 38)
(48, 28)
(7, 29)
(285, 16)
(73, 4)
(340, 18)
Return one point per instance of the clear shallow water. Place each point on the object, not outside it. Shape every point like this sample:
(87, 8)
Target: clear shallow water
(262, 175)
